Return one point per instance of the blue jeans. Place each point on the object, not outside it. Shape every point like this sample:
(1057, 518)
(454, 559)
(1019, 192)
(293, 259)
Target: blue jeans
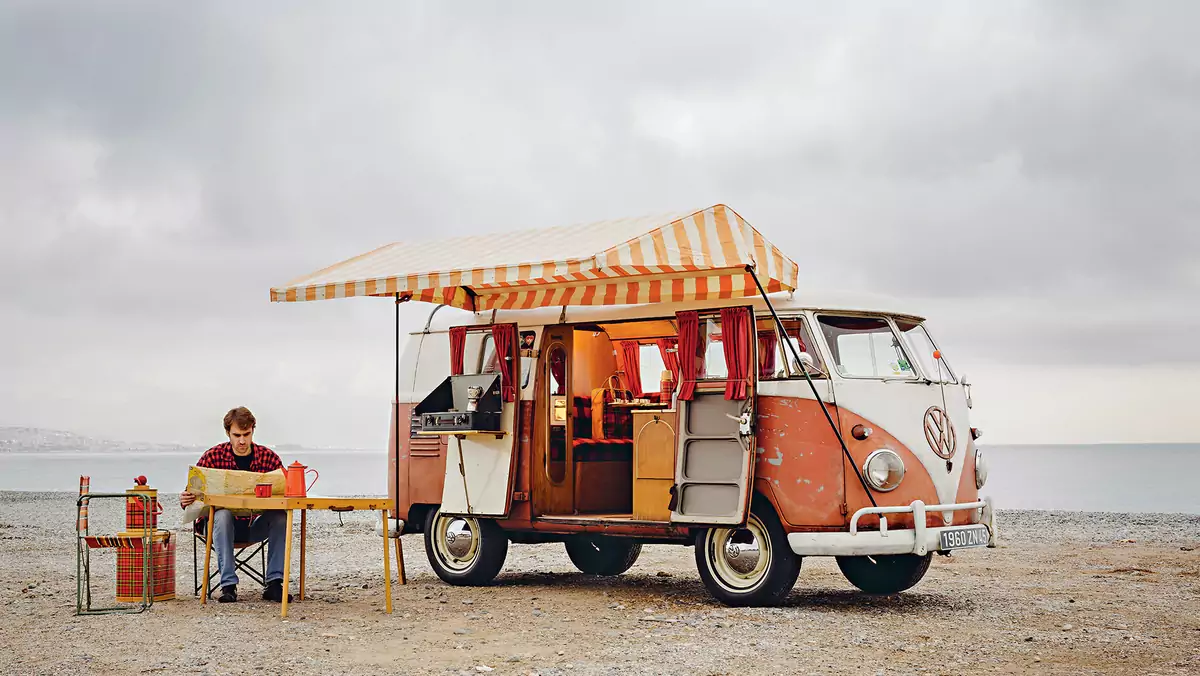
(271, 526)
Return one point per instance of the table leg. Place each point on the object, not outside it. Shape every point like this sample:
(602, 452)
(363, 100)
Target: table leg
(287, 566)
(387, 566)
(303, 533)
(207, 555)
(400, 561)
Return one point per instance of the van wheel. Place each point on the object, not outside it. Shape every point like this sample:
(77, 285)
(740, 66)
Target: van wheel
(464, 550)
(750, 565)
(602, 554)
(884, 574)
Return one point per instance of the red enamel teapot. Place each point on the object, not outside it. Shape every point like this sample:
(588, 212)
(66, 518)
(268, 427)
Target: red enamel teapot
(295, 487)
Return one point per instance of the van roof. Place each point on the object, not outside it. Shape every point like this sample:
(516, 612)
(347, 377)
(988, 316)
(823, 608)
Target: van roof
(444, 317)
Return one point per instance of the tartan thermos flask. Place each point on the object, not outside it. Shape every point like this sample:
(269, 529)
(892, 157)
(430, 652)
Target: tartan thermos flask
(135, 514)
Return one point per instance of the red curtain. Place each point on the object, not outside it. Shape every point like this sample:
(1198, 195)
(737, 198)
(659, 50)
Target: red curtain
(505, 338)
(669, 349)
(689, 338)
(633, 366)
(458, 344)
(735, 329)
(767, 340)
(558, 369)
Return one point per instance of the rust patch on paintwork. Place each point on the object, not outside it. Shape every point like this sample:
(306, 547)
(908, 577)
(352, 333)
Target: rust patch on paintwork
(797, 445)
(917, 484)
(803, 471)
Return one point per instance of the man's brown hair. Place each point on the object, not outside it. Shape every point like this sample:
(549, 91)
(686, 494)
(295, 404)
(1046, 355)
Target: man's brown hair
(240, 415)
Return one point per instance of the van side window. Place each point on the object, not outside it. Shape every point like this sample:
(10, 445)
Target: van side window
(776, 361)
(865, 347)
(488, 362)
(714, 351)
(652, 367)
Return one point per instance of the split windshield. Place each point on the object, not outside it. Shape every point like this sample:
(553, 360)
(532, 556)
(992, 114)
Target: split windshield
(865, 347)
(923, 347)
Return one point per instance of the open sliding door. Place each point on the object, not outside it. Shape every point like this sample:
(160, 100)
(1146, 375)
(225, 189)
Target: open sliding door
(714, 467)
(479, 467)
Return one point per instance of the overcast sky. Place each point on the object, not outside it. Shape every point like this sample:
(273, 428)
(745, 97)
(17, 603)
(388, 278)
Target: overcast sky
(1024, 173)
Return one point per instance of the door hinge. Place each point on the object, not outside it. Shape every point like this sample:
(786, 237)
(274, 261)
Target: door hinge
(844, 510)
(520, 496)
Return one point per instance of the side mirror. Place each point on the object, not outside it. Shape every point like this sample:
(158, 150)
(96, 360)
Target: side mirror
(967, 389)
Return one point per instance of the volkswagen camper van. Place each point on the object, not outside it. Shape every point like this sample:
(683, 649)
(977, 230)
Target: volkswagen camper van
(661, 380)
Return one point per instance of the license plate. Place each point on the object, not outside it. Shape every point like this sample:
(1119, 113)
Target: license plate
(962, 538)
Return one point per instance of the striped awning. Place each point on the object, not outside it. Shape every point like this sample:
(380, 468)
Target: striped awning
(699, 255)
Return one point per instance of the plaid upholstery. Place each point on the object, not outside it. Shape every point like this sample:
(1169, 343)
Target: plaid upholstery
(581, 413)
(618, 423)
(603, 450)
(162, 570)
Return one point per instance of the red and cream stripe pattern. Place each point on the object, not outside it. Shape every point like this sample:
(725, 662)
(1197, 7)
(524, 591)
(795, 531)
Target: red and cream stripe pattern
(697, 256)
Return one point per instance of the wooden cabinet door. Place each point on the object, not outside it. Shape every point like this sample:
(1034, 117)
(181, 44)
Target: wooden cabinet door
(653, 464)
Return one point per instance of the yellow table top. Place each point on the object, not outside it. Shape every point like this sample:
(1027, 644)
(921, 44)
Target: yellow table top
(309, 502)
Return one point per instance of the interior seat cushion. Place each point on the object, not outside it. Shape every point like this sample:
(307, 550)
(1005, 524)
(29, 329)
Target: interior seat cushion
(582, 413)
(603, 450)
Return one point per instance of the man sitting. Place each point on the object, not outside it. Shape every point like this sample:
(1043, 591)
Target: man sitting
(241, 453)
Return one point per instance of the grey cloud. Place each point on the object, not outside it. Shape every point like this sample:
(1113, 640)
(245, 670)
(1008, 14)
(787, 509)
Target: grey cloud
(1023, 155)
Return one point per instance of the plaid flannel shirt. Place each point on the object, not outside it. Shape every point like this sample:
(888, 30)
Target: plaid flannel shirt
(221, 457)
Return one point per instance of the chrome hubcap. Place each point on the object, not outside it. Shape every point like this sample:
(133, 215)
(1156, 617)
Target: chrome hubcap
(740, 556)
(456, 540)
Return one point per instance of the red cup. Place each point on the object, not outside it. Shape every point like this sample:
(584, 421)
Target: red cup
(262, 490)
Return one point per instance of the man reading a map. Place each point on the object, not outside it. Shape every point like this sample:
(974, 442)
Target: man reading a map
(241, 453)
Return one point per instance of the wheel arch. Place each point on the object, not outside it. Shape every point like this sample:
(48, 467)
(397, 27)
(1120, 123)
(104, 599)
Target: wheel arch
(416, 518)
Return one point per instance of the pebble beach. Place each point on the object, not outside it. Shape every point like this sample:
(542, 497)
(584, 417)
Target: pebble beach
(1064, 593)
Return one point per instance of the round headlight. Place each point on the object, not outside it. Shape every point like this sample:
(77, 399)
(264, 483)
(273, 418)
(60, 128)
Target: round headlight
(884, 470)
(980, 469)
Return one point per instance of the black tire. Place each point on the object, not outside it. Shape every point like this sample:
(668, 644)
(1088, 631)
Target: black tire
(748, 582)
(884, 574)
(602, 554)
(475, 563)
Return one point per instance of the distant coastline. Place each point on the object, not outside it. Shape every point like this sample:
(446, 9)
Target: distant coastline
(41, 440)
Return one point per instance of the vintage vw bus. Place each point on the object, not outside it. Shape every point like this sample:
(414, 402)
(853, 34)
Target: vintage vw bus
(660, 380)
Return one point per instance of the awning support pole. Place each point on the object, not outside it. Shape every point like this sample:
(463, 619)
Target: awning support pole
(820, 402)
(396, 414)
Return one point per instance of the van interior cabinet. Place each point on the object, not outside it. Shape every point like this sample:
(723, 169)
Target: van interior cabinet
(653, 464)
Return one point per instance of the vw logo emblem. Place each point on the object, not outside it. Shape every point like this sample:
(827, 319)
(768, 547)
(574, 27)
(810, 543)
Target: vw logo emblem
(939, 432)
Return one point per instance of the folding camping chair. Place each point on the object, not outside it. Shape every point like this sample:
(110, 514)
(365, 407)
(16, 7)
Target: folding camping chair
(243, 560)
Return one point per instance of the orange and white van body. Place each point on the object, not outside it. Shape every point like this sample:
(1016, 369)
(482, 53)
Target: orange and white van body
(781, 420)
(799, 466)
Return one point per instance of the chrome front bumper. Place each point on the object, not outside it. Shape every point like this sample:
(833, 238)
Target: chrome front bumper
(919, 540)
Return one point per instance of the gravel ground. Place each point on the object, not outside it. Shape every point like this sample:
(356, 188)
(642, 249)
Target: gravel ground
(1065, 593)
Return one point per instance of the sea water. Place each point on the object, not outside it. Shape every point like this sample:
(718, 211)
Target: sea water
(1103, 478)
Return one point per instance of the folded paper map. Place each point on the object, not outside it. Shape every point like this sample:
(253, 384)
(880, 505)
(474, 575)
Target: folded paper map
(203, 481)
